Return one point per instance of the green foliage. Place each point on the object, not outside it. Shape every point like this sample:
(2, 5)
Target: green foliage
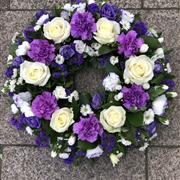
(152, 42)
(154, 92)
(135, 119)
(12, 49)
(84, 145)
(163, 120)
(85, 98)
(106, 49)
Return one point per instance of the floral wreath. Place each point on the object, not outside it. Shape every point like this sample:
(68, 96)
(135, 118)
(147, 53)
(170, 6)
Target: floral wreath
(123, 113)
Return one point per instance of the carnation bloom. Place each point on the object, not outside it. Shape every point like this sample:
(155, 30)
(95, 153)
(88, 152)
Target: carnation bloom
(44, 105)
(41, 51)
(134, 97)
(109, 11)
(129, 43)
(88, 128)
(83, 25)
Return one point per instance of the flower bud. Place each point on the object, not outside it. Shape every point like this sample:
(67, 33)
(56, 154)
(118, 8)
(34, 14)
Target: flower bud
(144, 48)
(71, 140)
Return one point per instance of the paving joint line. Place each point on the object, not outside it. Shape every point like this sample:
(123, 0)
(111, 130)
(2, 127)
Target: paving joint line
(142, 4)
(165, 146)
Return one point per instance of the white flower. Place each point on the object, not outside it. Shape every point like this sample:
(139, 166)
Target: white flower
(9, 59)
(159, 105)
(114, 159)
(74, 95)
(90, 51)
(53, 154)
(86, 109)
(161, 40)
(25, 96)
(96, 46)
(159, 54)
(114, 60)
(107, 31)
(59, 59)
(14, 73)
(125, 142)
(14, 108)
(13, 40)
(19, 81)
(65, 15)
(71, 140)
(93, 153)
(118, 96)
(60, 92)
(148, 117)
(153, 32)
(112, 82)
(172, 94)
(26, 109)
(35, 73)
(29, 130)
(144, 147)
(62, 119)
(168, 66)
(42, 19)
(22, 49)
(127, 16)
(146, 85)
(126, 25)
(81, 7)
(113, 118)
(68, 7)
(138, 70)
(37, 27)
(144, 48)
(58, 30)
(12, 85)
(91, 1)
(64, 155)
(79, 46)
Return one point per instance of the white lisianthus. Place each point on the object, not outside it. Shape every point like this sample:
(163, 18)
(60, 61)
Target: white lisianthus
(64, 155)
(125, 142)
(127, 16)
(159, 105)
(93, 153)
(60, 92)
(159, 54)
(42, 19)
(144, 48)
(79, 46)
(112, 82)
(37, 27)
(113, 118)
(68, 7)
(138, 70)
(62, 119)
(91, 1)
(86, 110)
(53, 154)
(118, 96)
(57, 30)
(26, 109)
(81, 7)
(148, 117)
(35, 73)
(29, 130)
(107, 31)
(59, 59)
(114, 60)
(71, 140)
(74, 95)
(22, 49)
(168, 67)
(14, 108)
(172, 94)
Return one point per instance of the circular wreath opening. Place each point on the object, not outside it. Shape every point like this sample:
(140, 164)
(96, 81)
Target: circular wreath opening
(123, 112)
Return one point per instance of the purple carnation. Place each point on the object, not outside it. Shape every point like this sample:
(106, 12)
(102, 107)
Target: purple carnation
(129, 43)
(83, 25)
(44, 105)
(140, 28)
(42, 51)
(33, 122)
(97, 100)
(88, 128)
(9, 72)
(17, 61)
(67, 51)
(109, 11)
(134, 97)
(93, 8)
(42, 140)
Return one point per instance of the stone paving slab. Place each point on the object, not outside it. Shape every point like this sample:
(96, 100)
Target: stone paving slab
(26, 163)
(4, 4)
(161, 3)
(164, 163)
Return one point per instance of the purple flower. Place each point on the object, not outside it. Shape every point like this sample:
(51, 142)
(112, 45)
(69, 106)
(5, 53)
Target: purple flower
(140, 28)
(129, 43)
(17, 61)
(88, 128)
(170, 83)
(93, 8)
(33, 122)
(27, 33)
(40, 13)
(97, 101)
(9, 72)
(158, 67)
(77, 59)
(42, 140)
(20, 123)
(44, 105)
(42, 51)
(134, 97)
(67, 51)
(83, 25)
(108, 142)
(103, 60)
(109, 11)
(151, 128)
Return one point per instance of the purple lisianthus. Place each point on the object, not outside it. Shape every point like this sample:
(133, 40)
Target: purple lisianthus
(44, 105)
(67, 51)
(140, 28)
(151, 128)
(20, 123)
(109, 11)
(42, 51)
(97, 101)
(83, 25)
(17, 61)
(88, 128)
(103, 60)
(170, 83)
(77, 59)
(27, 33)
(134, 97)
(42, 140)
(93, 8)
(129, 43)
(9, 72)
(33, 122)
(39, 14)
(158, 67)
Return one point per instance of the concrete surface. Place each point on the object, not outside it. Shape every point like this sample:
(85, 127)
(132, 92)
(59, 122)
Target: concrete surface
(20, 160)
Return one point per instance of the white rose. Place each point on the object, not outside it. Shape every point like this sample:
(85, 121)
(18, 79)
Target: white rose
(60, 93)
(148, 117)
(138, 69)
(58, 30)
(106, 31)
(113, 118)
(62, 119)
(35, 73)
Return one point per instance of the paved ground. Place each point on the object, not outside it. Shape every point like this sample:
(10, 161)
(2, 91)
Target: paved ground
(20, 160)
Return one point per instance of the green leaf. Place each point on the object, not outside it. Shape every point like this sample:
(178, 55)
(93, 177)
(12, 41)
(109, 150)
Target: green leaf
(110, 68)
(12, 49)
(84, 145)
(85, 98)
(106, 49)
(152, 42)
(135, 119)
(76, 107)
(156, 91)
